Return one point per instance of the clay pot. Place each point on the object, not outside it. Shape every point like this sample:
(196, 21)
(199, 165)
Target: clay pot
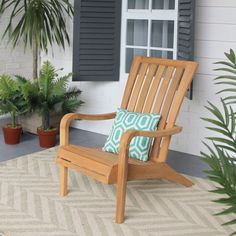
(47, 138)
(12, 135)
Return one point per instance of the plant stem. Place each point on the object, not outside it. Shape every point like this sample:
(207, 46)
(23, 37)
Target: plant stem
(35, 57)
(45, 120)
(13, 119)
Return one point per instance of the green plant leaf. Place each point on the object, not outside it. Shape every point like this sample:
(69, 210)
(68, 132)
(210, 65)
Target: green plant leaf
(228, 77)
(226, 64)
(226, 70)
(231, 56)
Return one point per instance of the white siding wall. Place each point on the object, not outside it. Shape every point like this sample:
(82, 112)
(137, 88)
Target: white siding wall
(215, 34)
(13, 61)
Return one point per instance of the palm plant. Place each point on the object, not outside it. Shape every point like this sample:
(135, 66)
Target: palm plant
(37, 22)
(221, 156)
(11, 99)
(50, 94)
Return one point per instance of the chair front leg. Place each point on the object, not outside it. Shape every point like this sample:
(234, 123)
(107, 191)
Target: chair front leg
(121, 187)
(122, 174)
(63, 180)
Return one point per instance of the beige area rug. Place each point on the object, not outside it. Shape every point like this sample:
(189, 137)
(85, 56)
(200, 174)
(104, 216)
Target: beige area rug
(30, 204)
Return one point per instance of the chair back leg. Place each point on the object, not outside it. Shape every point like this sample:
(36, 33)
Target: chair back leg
(63, 180)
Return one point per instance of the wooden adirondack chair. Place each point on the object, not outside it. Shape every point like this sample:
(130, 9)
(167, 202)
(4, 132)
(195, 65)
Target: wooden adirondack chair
(154, 86)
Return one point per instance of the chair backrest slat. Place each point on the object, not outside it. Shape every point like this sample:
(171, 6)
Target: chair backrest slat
(158, 86)
(138, 86)
(163, 89)
(131, 80)
(145, 88)
(153, 89)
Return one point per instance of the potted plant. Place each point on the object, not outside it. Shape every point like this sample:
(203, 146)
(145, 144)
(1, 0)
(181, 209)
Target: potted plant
(221, 153)
(12, 102)
(37, 24)
(50, 94)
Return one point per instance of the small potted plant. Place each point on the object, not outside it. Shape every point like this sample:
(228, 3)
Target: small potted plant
(50, 94)
(11, 102)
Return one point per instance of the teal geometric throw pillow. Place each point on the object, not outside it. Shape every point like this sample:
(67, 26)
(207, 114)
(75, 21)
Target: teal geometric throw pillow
(125, 120)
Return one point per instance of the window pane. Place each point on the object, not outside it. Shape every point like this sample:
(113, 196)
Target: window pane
(137, 32)
(138, 4)
(130, 53)
(161, 54)
(162, 34)
(163, 4)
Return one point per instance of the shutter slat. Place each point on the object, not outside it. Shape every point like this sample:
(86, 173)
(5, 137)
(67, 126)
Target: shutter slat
(98, 57)
(96, 47)
(96, 36)
(99, 25)
(96, 20)
(96, 30)
(96, 68)
(98, 9)
(98, 15)
(101, 41)
(95, 73)
(97, 4)
(96, 52)
(186, 32)
(97, 62)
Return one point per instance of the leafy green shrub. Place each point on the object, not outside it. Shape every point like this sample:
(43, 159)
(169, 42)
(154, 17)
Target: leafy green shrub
(11, 99)
(50, 93)
(222, 154)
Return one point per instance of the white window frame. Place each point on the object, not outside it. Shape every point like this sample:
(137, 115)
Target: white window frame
(146, 14)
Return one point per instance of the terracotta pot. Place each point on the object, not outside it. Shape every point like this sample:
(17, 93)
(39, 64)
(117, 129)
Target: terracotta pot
(12, 135)
(47, 138)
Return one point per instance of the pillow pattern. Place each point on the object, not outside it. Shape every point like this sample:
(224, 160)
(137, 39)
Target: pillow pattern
(125, 120)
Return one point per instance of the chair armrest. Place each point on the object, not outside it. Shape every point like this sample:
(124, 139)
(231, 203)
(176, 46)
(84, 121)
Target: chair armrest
(129, 134)
(68, 118)
(124, 153)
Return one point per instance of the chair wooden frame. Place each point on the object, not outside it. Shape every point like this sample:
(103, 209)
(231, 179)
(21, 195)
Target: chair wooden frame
(154, 85)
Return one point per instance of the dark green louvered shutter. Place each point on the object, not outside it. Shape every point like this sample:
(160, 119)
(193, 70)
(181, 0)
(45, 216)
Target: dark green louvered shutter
(96, 50)
(186, 33)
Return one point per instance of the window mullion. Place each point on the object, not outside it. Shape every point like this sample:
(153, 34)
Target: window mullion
(150, 5)
(149, 37)
(176, 29)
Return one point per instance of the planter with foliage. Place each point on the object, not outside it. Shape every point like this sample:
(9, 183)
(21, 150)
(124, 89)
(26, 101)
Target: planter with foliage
(50, 94)
(221, 157)
(11, 102)
(32, 120)
(38, 24)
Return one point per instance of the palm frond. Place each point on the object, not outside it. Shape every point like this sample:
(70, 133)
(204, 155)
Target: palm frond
(71, 105)
(44, 19)
(60, 85)
(221, 156)
(72, 92)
